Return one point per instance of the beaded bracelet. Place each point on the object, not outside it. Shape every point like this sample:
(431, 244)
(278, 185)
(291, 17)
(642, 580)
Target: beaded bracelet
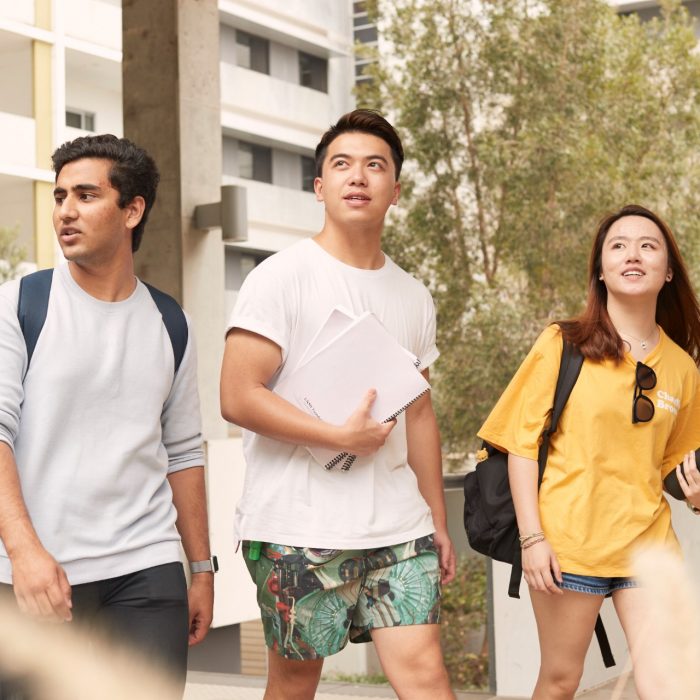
(525, 538)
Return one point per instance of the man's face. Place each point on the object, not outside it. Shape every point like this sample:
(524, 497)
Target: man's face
(358, 182)
(90, 226)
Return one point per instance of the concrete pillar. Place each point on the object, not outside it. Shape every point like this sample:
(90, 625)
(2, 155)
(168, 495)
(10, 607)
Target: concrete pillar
(171, 100)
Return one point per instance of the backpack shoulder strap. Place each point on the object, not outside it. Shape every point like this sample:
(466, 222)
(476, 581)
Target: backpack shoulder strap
(174, 321)
(569, 369)
(33, 303)
(571, 363)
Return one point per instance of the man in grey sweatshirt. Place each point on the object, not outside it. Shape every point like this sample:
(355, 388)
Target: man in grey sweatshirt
(101, 461)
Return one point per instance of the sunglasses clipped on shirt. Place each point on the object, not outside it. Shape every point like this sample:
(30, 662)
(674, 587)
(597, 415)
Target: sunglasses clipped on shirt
(643, 406)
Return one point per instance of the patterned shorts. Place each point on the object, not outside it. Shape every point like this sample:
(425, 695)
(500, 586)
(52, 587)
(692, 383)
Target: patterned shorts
(313, 600)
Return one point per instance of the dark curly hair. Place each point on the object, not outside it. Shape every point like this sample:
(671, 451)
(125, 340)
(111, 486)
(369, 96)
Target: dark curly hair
(367, 121)
(133, 172)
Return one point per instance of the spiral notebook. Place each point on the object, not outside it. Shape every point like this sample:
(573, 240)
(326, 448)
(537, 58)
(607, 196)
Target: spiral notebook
(334, 377)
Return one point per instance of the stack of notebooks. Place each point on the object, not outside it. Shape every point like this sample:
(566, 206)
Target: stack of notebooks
(348, 356)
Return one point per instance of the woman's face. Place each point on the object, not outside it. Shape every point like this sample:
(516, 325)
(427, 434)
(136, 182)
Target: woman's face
(634, 260)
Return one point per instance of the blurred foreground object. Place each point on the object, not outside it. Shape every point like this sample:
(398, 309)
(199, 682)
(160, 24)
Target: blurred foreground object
(673, 619)
(63, 662)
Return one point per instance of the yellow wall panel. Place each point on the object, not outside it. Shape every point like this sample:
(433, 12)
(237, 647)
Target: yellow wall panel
(43, 227)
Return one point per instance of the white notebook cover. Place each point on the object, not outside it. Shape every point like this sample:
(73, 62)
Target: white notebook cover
(331, 383)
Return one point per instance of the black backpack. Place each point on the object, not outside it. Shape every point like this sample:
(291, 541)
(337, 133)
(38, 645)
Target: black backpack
(489, 514)
(34, 290)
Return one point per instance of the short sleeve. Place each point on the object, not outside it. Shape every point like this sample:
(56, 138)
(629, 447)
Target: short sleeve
(427, 351)
(685, 435)
(521, 413)
(262, 303)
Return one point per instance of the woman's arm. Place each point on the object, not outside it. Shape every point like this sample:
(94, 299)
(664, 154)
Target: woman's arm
(540, 564)
(689, 480)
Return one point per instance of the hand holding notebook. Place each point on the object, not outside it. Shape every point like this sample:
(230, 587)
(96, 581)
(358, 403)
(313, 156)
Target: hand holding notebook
(339, 368)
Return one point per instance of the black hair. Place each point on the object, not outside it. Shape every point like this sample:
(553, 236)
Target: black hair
(133, 172)
(367, 121)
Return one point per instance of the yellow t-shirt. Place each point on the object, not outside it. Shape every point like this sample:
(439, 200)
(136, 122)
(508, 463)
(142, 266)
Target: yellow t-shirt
(601, 495)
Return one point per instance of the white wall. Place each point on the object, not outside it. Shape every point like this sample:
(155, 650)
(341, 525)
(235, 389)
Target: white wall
(284, 62)
(104, 101)
(17, 141)
(22, 11)
(95, 21)
(227, 44)
(278, 216)
(15, 75)
(229, 156)
(273, 109)
(235, 593)
(286, 169)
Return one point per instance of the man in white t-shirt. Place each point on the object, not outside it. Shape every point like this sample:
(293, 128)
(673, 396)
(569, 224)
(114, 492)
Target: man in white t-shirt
(339, 554)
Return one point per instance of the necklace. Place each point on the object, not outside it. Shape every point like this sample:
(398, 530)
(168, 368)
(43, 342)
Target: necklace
(642, 342)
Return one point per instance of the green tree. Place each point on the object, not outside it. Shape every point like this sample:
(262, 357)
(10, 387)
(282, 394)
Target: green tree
(11, 254)
(524, 122)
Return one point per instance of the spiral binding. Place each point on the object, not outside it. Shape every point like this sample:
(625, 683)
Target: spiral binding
(348, 463)
(336, 460)
(401, 410)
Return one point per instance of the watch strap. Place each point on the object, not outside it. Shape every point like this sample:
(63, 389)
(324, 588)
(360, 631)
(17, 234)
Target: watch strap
(206, 565)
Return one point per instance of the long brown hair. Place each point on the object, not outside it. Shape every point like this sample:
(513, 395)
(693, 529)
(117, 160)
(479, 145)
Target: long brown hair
(677, 308)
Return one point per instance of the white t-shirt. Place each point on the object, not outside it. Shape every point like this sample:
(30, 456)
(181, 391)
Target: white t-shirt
(288, 498)
(96, 426)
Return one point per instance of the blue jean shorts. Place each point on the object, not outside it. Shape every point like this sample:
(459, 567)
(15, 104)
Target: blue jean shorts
(596, 585)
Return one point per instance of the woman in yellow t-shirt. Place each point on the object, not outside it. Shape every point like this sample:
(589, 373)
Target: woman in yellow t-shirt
(632, 417)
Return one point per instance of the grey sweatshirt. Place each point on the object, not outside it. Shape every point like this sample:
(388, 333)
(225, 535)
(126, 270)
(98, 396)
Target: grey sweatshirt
(96, 426)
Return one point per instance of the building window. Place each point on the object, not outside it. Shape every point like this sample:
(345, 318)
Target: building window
(254, 162)
(252, 52)
(308, 173)
(313, 72)
(80, 119)
(366, 35)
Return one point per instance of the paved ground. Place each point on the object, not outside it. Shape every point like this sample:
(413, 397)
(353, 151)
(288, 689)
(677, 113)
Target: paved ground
(217, 686)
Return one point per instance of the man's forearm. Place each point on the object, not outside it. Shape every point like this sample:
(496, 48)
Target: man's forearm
(16, 529)
(263, 412)
(425, 458)
(190, 500)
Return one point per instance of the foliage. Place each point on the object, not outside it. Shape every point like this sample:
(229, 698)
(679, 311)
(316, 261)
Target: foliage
(356, 678)
(524, 122)
(463, 614)
(11, 255)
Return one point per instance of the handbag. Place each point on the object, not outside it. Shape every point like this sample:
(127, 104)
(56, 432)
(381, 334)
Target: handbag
(489, 513)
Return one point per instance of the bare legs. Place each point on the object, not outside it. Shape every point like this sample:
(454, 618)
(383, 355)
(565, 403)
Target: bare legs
(565, 626)
(410, 656)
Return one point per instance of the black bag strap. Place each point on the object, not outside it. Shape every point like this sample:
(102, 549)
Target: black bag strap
(604, 643)
(33, 303)
(569, 370)
(174, 321)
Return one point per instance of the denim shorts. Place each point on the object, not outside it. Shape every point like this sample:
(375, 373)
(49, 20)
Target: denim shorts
(596, 585)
